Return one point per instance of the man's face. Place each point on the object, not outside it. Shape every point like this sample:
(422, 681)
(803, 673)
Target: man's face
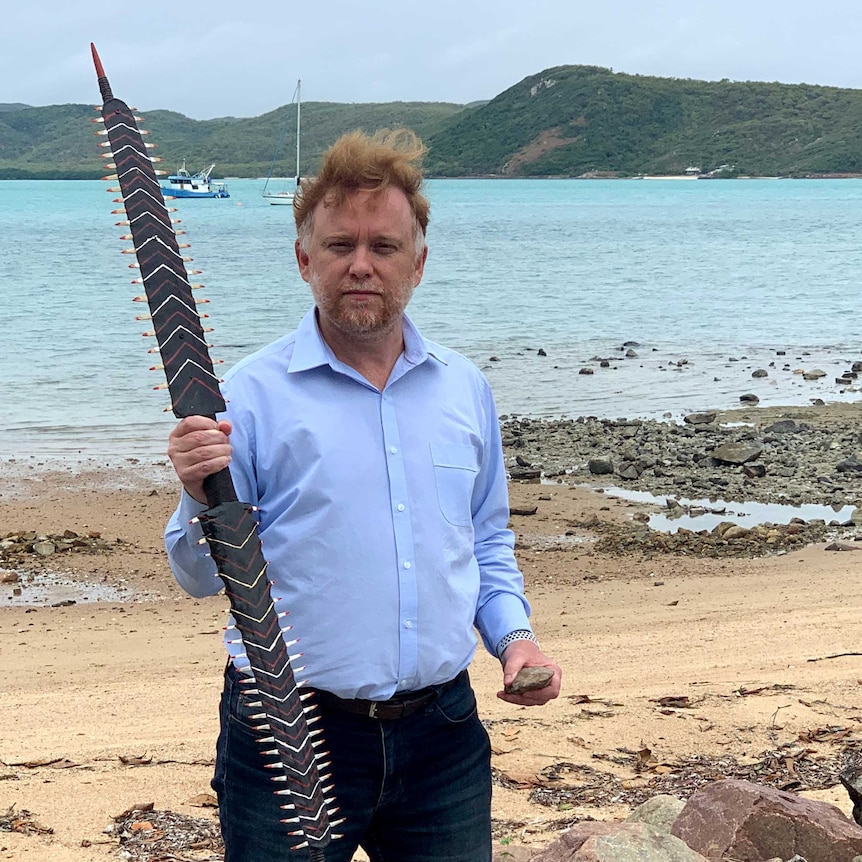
(361, 263)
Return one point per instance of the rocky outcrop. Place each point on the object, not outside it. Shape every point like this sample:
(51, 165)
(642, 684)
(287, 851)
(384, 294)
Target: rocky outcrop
(617, 842)
(724, 540)
(784, 461)
(18, 549)
(661, 812)
(749, 822)
(725, 820)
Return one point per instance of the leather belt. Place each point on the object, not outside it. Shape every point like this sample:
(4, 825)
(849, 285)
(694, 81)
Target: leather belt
(399, 706)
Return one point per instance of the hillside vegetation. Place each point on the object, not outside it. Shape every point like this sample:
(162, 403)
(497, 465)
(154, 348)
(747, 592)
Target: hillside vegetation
(573, 120)
(565, 121)
(58, 142)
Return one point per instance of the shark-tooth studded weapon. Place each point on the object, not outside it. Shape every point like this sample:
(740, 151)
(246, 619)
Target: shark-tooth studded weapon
(228, 525)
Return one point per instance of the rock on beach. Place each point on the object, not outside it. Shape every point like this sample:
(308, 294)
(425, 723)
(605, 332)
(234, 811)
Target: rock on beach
(725, 819)
(802, 455)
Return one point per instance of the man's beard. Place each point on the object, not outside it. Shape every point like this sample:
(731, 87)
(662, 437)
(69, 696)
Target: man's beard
(377, 316)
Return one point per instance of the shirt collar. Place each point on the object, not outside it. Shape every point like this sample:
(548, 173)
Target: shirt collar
(311, 351)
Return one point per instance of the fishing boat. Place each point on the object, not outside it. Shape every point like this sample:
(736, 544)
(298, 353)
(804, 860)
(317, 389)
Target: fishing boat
(183, 184)
(284, 197)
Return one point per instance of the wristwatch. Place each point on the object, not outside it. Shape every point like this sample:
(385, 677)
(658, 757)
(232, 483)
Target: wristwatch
(517, 635)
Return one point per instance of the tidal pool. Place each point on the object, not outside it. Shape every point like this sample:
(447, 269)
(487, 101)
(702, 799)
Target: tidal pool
(746, 514)
(52, 589)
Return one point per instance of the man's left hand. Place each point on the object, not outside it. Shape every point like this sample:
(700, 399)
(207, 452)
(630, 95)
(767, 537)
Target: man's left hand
(527, 654)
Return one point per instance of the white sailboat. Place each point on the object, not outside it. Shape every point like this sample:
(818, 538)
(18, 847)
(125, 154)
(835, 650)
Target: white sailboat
(285, 197)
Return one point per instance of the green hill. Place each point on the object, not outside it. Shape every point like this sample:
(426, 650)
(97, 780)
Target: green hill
(58, 141)
(576, 120)
(564, 121)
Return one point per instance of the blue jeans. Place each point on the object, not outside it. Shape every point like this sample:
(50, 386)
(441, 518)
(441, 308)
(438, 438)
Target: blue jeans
(416, 789)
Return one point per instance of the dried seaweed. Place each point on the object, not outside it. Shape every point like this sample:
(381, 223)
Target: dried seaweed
(789, 768)
(503, 828)
(159, 836)
(22, 821)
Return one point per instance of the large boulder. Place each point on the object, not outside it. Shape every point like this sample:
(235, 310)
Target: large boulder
(782, 426)
(570, 841)
(850, 465)
(600, 466)
(660, 812)
(748, 823)
(700, 418)
(737, 453)
(617, 842)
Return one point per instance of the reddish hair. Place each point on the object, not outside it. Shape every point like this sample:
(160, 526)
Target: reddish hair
(386, 159)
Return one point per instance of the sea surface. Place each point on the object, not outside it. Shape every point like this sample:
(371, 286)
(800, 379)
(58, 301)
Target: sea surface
(533, 280)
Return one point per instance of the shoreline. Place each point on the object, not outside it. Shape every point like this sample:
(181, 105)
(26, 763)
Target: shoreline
(599, 175)
(693, 282)
(559, 446)
(525, 385)
(114, 703)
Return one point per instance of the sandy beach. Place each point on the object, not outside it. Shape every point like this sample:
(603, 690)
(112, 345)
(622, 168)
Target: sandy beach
(677, 669)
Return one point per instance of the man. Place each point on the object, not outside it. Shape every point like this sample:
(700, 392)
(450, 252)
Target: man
(374, 457)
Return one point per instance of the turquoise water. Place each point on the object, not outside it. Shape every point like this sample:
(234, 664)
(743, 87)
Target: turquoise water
(698, 273)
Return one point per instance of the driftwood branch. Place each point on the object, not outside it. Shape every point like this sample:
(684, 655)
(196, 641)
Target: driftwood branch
(837, 655)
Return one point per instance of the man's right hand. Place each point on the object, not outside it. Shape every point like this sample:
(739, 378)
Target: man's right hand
(199, 447)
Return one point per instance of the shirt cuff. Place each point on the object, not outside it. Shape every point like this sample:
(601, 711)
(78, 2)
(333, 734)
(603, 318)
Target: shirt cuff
(189, 508)
(504, 613)
(517, 635)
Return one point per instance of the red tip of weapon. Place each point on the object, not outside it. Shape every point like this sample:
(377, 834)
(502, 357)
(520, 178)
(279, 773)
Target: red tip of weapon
(104, 86)
(100, 72)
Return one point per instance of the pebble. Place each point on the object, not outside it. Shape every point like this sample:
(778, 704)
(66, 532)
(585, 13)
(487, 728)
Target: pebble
(530, 679)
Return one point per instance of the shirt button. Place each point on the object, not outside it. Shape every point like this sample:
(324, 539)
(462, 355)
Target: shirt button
(400, 507)
(408, 624)
(407, 564)
(393, 449)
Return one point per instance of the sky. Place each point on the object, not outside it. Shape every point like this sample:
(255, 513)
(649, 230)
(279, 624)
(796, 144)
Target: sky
(233, 58)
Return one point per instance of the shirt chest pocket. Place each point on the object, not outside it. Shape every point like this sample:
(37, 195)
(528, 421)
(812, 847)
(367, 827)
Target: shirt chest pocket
(455, 470)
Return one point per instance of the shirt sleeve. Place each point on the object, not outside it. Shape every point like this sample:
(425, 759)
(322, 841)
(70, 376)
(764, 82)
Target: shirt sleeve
(502, 606)
(193, 568)
(189, 559)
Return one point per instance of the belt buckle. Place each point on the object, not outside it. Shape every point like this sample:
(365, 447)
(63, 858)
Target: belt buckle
(372, 710)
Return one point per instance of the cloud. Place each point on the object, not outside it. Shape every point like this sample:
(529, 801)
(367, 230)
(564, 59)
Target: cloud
(466, 52)
(220, 58)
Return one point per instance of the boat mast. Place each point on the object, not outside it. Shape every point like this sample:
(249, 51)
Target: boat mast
(298, 103)
(285, 196)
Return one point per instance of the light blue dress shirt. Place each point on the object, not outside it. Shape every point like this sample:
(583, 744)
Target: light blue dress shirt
(383, 514)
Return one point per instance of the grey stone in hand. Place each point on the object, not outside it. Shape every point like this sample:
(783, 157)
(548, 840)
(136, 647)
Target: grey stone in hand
(530, 679)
